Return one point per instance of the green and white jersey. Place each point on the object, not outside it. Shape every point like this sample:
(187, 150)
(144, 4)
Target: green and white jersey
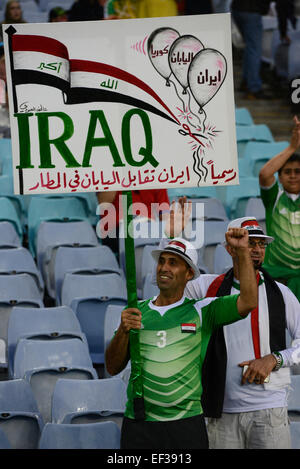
(283, 223)
(173, 343)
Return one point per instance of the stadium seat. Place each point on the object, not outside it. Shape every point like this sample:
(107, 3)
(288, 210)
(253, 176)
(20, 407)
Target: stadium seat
(15, 290)
(54, 323)
(243, 117)
(149, 288)
(237, 196)
(191, 192)
(7, 191)
(99, 435)
(222, 260)
(18, 261)
(88, 401)
(294, 397)
(20, 419)
(247, 133)
(8, 213)
(43, 362)
(295, 434)
(63, 209)
(89, 296)
(145, 233)
(52, 235)
(112, 320)
(98, 259)
(4, 443)
(256, 154)
(214, 234)
(9, 238)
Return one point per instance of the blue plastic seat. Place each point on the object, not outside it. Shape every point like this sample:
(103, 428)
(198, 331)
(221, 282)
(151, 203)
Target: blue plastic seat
(99, 435)
(40, 323)
(98, 259)
(61, 209)
(9, 213)
(247, 133)
(193, 192)
(243, 116)
(89, 296)
(88, 401)
(237, 196)
(7, 190)
(9, 237)
(256, 154)
(20, 419)
(43, 362)
(18, 261)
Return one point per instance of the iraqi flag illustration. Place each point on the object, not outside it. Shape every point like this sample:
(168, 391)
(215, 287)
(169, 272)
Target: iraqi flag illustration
(45, 61)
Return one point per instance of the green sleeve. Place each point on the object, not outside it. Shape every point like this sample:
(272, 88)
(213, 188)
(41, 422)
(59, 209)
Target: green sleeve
(269, 195)
(221, 311)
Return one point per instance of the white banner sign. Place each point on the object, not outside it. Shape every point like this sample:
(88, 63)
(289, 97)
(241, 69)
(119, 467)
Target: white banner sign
(122, 104)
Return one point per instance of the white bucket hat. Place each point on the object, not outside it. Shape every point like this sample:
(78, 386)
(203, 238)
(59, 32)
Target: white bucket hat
(252, 226)
(182, 248)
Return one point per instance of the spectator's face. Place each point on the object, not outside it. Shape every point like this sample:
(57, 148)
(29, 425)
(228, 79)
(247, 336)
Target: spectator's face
(172, 272)
(15, 11)
(290, 177)
(257, 250)
(257, 247)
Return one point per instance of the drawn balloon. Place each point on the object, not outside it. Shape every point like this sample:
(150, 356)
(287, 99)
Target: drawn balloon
(206, 75)
(158, 47)
(181, 54)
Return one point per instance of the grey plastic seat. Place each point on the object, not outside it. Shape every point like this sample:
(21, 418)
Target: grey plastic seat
(9, 213)
(89, 296)
(40, 323)
(214, 234)
(18, 261)
(9, 237)
(16, 290)
(43, 362)
(222, 260)
(294, 397)
(93, 259)
(88, 401)
(295, 434)
(52, 235)
(63, 209)
(4, 443)
(20, 419)
(99, 435)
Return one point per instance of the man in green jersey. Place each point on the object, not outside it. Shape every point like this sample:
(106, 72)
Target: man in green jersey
(282, 259)
(174, 332)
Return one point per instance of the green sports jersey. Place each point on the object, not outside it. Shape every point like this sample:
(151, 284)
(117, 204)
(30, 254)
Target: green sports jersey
(172, 349)
(283, 223)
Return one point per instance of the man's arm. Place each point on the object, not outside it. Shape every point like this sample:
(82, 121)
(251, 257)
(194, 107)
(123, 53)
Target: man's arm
(267, 172)
(237, 238)
(117, 353)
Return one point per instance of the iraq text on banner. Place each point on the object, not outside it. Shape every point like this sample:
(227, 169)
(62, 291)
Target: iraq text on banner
(121, 105)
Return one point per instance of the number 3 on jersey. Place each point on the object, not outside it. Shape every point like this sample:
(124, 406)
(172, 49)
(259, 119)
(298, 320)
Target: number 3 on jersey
(163, 339)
